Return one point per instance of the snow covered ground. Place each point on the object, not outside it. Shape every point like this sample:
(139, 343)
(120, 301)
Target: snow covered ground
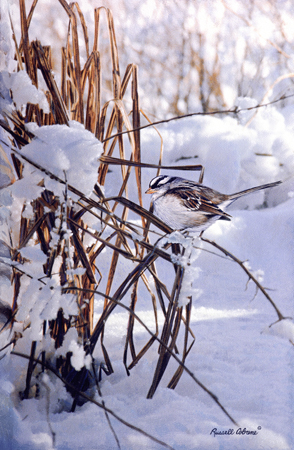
(237, 355)
(248, 365)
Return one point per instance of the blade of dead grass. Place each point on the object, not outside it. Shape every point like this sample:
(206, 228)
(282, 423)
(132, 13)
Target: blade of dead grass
(17, 51)
(136, 124)
(118, 161)
(25, 40)
(30, 370)
(79, 116)
(29, 18)
(170, 330)
(61, 116)
(92, 70)
(114, 58)
(84, 26)
(130, 329)
(176, 377)
(81, 253)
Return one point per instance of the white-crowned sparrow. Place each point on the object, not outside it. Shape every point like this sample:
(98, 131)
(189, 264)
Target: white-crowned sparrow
(186, 205)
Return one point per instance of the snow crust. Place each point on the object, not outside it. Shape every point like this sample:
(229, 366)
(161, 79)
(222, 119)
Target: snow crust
(71, 153)
(23, 90)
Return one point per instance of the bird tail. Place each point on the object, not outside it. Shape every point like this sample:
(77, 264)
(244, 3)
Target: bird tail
(256, 188)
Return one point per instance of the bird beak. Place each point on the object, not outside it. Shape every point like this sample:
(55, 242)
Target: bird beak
(150, 191)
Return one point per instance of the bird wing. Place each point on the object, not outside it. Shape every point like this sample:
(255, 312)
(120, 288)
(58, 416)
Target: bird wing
(196, 202)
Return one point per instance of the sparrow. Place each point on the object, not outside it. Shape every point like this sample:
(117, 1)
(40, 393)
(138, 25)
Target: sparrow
(185, 205)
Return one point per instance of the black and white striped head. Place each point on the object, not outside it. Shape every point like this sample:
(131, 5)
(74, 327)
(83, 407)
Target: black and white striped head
(160, 184)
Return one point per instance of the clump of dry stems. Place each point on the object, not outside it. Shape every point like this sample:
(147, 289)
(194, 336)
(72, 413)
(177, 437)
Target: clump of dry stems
(79, 98)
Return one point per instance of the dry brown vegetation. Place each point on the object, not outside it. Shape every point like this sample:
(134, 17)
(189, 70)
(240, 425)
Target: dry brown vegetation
(79, 98)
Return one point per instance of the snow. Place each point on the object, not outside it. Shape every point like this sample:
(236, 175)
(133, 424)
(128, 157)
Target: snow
(78, 359)
(237, 354)
(241, 353)
(65, 150)
(23, 90)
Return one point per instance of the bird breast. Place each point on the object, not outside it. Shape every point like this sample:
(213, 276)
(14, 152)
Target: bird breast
(170, 210)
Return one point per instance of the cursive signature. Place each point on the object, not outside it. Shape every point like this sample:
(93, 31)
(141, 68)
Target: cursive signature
(230, 431)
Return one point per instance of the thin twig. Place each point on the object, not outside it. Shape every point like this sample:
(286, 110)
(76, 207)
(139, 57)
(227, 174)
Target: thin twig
(241, 264)
(103, 403)
(235, 110)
